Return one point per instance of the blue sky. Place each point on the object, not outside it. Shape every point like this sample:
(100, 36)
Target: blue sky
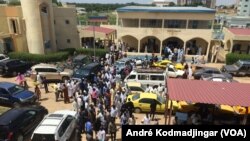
(219, 2)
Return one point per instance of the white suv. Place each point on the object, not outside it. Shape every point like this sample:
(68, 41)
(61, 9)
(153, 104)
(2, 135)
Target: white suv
(51, 72)
(3, 57)
(57, 126)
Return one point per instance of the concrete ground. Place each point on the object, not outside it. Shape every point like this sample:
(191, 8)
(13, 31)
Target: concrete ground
(48, 99)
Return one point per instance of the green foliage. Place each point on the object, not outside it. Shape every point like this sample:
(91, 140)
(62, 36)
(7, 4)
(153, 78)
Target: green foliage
(14, 2)
(38, 58)
(234, 57)
(112, 19)
(57, 3)
(2, 2)
(69, 50)
(90, 51)
(171, 4)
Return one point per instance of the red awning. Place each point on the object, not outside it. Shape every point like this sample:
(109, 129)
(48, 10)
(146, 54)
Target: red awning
(100, 29)
(240, 31)
(198, 91)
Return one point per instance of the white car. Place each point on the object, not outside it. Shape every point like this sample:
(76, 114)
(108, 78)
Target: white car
(3, 57)
(57, 126)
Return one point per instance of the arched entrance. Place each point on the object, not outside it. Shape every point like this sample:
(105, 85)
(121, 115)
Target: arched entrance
(131, 43)
(150, 44)
(172, 42)
(196, 46)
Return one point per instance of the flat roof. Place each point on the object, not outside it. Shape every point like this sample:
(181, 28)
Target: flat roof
(209, 92)
(165, 9)
(240, 31)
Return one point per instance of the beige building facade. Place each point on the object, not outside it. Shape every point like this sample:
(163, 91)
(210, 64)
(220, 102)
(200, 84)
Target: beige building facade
(151, 29)
(38, 27)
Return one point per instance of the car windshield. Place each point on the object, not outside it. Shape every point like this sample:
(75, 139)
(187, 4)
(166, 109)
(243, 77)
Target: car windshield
(60, 69)
(160, 99)
(82, 71)
(135, 97)
(43, 137)
(15, 89)
(238, 64)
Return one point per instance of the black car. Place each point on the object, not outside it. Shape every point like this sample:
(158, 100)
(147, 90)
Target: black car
(13, 67)
(207, 70)
(88, 72)
(16, 123)
(80, 61)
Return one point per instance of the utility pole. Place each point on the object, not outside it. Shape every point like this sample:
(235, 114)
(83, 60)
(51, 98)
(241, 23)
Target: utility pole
(94, 41)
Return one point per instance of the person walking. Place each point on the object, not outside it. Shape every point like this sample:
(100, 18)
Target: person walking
(37, 92)
(66, 95)
(112, 130)
(153, 109)
(45, 83)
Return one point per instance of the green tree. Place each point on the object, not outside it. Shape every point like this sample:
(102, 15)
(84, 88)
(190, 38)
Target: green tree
(14, 2)
(171, 4)
(2, 2)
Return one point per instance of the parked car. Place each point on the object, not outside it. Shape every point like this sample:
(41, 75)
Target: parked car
(173, 72)
(142, 102)
(241, 67)
(216, 77)
(87, 71)
(80, 61)
(164, 63)
(57, 126)
(13, 67)
(15, 95)
(153, 77)
(135, 87)
(207, 70)
(16, 123)
(215, 109)
(121, 64)
(3, 57)
(51, 72)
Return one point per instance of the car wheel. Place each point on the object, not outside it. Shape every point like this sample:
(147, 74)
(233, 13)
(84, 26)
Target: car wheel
(137, 110)
(20, 137)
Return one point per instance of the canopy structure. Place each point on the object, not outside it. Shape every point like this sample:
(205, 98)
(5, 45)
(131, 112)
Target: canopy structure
(198, 91)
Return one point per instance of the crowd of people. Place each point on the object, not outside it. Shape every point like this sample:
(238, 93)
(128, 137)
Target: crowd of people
(103, 101)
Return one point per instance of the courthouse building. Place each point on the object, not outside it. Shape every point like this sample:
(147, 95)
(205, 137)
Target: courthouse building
(37, 26)
(150, 29)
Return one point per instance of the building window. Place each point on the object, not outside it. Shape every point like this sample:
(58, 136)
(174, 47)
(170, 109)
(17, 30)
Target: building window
(67, 21)
(44, 9)
(54, 21)
(47, 43)
(244, 10)
(68, 41)
(246, 5)
(13, 24)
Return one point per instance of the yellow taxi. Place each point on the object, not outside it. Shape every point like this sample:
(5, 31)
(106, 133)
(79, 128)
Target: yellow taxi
(163, 64)
(216, 109)
(142, 102)
(241, 110)
(135, 87)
